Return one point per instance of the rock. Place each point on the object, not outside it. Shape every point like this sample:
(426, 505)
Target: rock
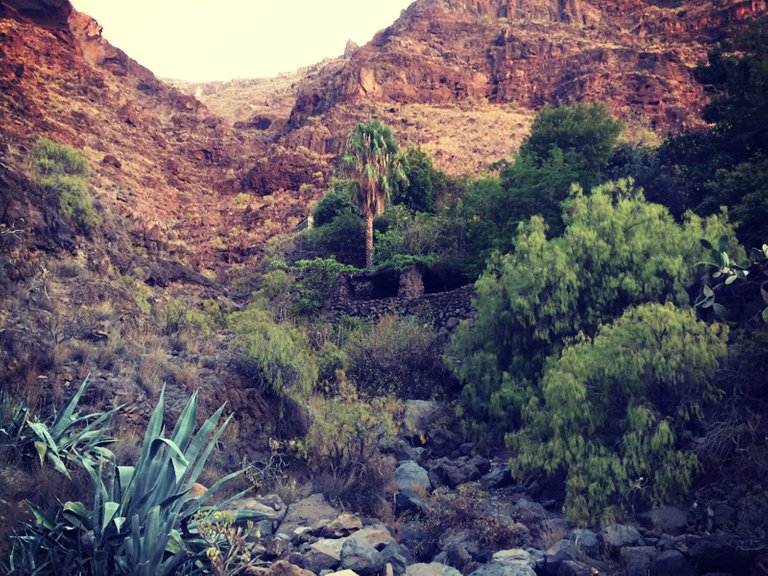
(407, 504)
(722, 515)
(587, 542)
(714, 553)
(271, 511)
(399, 557)
(359, 555)
(507, 569)
(558, 553)
(279, 568)
(638, 560)
(528, 512)
(443, 442)
(324, 554)
(431, 569)
(412, 479)
(667, 519)
(418, 416)
(497, 478)
(452, 473)
(513, 562)
(621, 535)
(342, 573)
(672, 563)
(343, 525)
(575, 568)
(306, 513)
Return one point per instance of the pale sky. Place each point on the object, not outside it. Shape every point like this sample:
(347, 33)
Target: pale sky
(202, 40)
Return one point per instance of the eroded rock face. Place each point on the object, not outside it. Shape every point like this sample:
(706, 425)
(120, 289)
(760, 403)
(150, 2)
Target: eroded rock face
(635, 55)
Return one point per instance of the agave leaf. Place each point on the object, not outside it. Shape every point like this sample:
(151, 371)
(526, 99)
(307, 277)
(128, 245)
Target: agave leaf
(722, 243)
(41, 450)
(731, 279)
(208, 447)
(764, 291)
(110, 509)
(77, 515)
(185, 425)
(64, 417)
(765, 315)
(721, 312)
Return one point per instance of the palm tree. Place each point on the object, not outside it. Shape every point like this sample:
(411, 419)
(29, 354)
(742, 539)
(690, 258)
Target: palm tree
(371, 159)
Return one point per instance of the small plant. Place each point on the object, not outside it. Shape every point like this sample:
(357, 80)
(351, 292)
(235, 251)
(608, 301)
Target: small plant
(64, 172)
(70, 438)
(230, 548)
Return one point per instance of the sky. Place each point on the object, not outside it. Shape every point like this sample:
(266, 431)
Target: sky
(205, 40)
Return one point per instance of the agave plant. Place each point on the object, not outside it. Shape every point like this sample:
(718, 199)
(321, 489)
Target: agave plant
(135, 520)
(81, 439)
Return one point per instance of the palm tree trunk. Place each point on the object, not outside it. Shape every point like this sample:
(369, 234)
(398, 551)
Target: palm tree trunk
(369, 239)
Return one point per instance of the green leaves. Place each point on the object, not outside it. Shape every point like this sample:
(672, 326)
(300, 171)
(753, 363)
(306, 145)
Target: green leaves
(134, 519)
(615, 407)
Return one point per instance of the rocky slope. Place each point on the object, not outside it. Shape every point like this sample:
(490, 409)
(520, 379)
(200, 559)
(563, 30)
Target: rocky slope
(635, 55)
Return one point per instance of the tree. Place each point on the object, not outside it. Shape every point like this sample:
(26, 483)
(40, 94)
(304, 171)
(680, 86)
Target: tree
(566, 145)
(371, 159)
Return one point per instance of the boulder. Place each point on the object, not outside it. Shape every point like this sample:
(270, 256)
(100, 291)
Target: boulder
(587, 542)
(672, 563)
(279, 568)
(412, 479)
(344, 525)
(638, 560)
(307, 513)
(714, 554)
(667, 519)
(398, 556)
(558, 553)
(621, 535)
(497, 478)
(431, 569)
(359, 555)
(418, 416)
(270, 511)
(507, 569)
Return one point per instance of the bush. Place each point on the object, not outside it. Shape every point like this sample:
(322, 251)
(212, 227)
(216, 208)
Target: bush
(315, 278)
(273, 357)
(617, 251)
(616, 412)
(344, 441)
(397, 357)
(64, 172)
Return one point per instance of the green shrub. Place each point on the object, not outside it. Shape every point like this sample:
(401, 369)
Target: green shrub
(64, 172)
(617, 251)
(273, 357)
(344, 441)
(315, 278)
(616, 412)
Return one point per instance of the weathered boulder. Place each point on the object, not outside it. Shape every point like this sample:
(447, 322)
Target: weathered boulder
(307, 513)
(431, 569)
(398, 556)
(358, 554)
(621, 535)
(638, 560)
(667, 519)
(672, 563)
(343, 525)
(412, 479)
(271, 510)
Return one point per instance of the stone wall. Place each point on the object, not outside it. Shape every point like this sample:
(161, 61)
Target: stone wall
(442, 311)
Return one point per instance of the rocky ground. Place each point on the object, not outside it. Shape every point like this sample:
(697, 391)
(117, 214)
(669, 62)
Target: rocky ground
(455, 512)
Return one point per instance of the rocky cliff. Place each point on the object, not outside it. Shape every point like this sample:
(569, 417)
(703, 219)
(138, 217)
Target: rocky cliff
(635, 55)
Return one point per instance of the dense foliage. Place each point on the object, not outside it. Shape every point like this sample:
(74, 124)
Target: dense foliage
(617, 251)
(615, 412)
